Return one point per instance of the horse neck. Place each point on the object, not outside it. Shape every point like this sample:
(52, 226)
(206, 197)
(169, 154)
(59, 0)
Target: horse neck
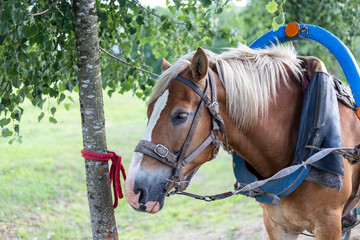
(269, 145)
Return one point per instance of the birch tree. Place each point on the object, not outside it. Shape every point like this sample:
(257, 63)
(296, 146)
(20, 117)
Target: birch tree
(92, 118)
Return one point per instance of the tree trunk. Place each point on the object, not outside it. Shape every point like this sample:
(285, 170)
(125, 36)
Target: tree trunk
(93, 122)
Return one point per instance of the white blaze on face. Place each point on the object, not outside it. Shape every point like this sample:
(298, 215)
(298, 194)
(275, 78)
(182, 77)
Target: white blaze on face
(137, 157)
(155, 115)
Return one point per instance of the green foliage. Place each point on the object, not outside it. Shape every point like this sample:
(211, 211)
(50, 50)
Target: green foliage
(272, 7)
(342, 18)
(257, 20)
(37, 48)
(142, 36)
(37, 58)
(37, 52)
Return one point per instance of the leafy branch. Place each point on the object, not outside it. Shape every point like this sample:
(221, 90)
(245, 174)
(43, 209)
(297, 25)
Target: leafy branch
(5, 88)
(272, 7)
(45, 11)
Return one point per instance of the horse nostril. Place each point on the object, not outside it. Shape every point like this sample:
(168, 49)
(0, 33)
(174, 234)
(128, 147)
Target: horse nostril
(142, 208)
(143, 195)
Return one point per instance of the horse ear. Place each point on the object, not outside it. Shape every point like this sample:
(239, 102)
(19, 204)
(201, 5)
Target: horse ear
(165, 64)
(199, 65)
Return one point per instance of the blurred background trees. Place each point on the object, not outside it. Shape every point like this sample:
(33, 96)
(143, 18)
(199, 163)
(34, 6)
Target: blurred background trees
(37, 46)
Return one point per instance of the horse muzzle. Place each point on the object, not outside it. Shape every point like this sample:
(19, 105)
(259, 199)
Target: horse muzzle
(144, 194)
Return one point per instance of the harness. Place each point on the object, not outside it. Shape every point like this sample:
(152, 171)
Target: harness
(269, 190)
(179, 160)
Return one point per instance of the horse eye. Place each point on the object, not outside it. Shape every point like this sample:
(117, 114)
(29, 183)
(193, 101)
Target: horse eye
(182, 115)
(180, 118)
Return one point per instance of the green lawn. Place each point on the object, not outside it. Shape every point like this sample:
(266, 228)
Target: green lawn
(43, 193)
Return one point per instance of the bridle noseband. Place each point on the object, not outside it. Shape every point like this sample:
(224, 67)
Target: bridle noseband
(179, 160)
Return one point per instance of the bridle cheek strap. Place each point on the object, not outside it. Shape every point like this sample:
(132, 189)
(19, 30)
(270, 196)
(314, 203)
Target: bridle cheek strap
(209, 140)
(179, 175)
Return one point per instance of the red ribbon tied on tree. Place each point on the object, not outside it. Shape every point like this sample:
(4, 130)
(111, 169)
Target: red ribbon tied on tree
(115, 169)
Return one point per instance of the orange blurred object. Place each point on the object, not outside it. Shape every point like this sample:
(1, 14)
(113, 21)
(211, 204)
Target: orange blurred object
(358, 112)
(292, 29)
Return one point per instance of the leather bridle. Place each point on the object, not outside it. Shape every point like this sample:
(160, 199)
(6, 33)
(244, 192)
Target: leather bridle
(179, 160)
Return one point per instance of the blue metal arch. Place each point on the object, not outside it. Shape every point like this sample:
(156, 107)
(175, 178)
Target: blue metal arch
(283, 187)
(329, 40)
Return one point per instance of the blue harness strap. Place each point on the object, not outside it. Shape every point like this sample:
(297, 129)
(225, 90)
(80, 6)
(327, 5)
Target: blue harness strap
(320, 125)
(279, 188)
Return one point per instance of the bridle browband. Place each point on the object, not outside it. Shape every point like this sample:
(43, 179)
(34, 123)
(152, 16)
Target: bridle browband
(179, 160)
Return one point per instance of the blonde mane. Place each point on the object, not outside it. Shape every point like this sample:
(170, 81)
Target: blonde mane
(249, 77)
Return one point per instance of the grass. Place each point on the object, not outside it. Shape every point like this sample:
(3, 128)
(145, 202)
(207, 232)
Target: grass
(43, 192)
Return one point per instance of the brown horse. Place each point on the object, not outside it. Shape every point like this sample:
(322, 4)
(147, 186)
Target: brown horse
(259, 99)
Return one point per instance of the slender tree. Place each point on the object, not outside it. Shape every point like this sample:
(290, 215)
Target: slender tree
(93, 122)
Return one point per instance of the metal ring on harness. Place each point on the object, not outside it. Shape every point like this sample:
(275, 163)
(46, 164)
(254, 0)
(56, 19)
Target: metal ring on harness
(304, 29)
(163, 147)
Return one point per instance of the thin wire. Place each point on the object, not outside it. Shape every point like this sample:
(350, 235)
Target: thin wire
(126, 63)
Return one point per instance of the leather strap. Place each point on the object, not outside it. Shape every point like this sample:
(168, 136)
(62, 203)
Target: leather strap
(158, 152)
(195, 88)
(178, 171)
(210, 139)
(214, 105)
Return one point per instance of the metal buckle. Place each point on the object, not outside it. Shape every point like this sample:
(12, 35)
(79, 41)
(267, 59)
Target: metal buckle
(213, 104)
(162, 146)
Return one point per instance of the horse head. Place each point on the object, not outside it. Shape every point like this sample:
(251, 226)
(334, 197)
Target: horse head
(170, 135)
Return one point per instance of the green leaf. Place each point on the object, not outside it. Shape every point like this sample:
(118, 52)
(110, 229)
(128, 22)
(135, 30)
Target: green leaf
(52, 120)
(132, 30)
(4, 122)
(71, 99)
(53, 110)
(166, 26)
(128, 19)
(4, 28)
(2, 38)
(17, 128)
(278, 21)
(144, 40)
(6, 132)
(18, 16)
(140, 20)
(61, 98)
(122, 3)
(16, 115)
(25, 31)
(49, 46)
(67, 106)
(272, 6)
(34, 30)
(41, 116)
